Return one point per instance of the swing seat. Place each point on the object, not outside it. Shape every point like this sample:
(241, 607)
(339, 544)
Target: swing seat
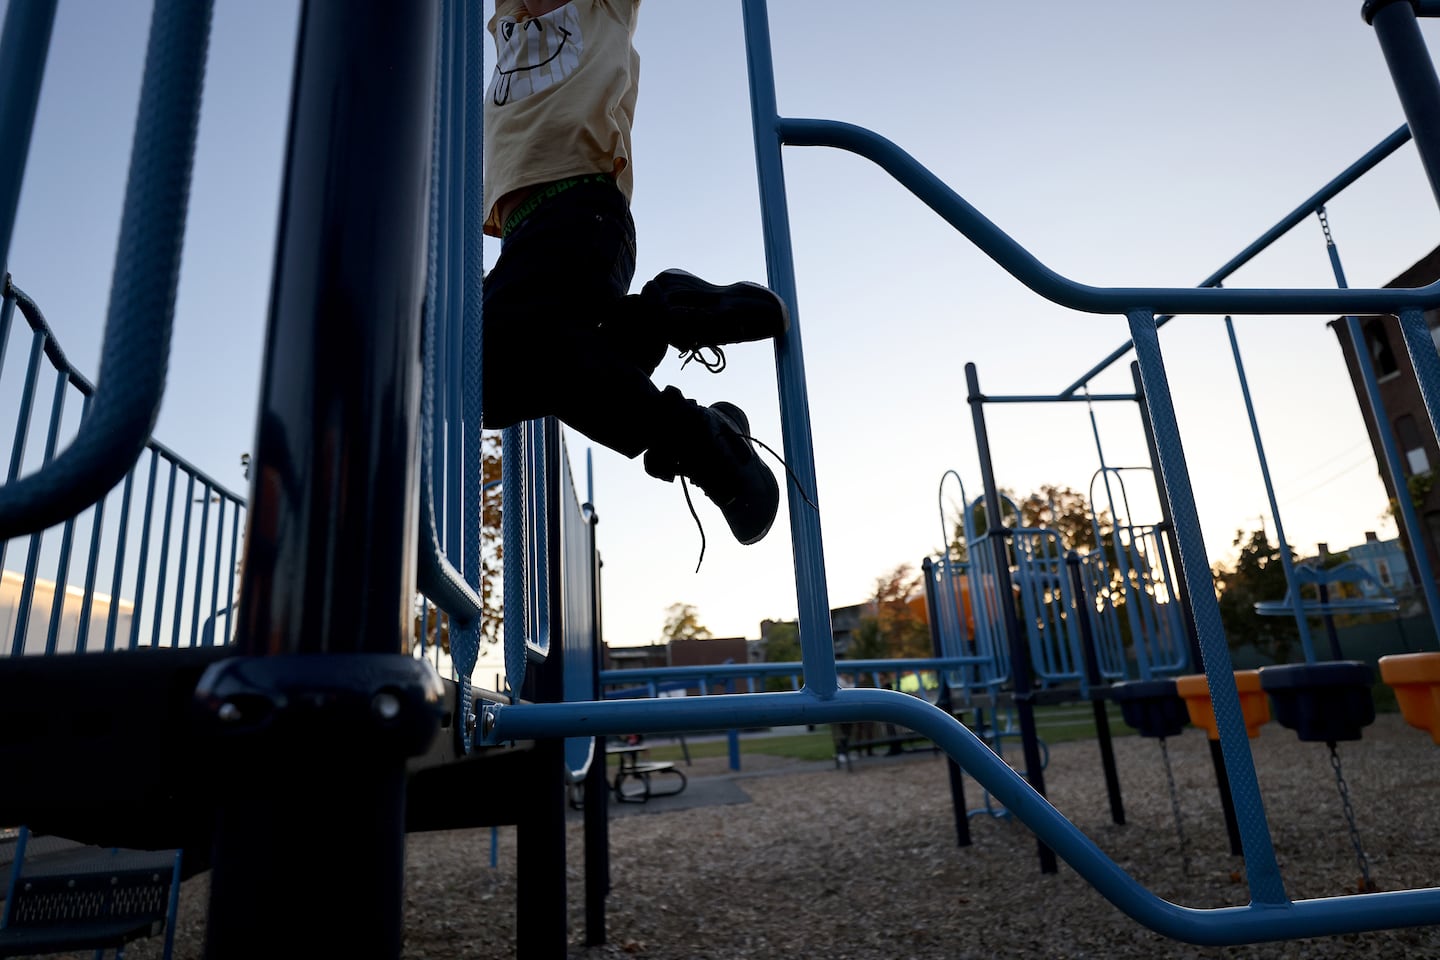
(1254, 707)
(1415, 677)
(1152, 707)
(1322, 702)
(1308, 574)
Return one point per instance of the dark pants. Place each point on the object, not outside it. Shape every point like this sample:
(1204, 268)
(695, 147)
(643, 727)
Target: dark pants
(563, 337)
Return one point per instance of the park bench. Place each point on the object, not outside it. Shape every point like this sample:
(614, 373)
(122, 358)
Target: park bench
(65, 896)
(864, 736)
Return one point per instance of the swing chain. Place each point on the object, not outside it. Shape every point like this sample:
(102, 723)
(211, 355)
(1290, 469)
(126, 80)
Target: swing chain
(1367, 885)
(1175, 808)
(1325, 226)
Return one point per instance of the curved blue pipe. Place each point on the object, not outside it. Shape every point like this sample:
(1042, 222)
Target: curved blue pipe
(1224, 925)
(1022, 265)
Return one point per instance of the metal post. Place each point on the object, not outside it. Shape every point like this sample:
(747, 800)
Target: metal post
(946, 702)
(1297, 602)
(1020, 667)
(1394, 469)
(1262, 870)
(817, 643)
(23, 49)
(1418, 87)
(541, 928)
(1182, 594)
(1413, 73)
(313, 720)
(1097, 700)
(597, 789)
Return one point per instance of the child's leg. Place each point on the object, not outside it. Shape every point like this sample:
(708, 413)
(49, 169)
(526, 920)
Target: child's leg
(561, 336)
(563, 339)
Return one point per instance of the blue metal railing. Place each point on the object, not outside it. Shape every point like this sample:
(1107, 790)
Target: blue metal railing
(136, 349)
(174, 588)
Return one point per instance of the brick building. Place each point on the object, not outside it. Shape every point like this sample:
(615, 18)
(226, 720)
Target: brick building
(1405, 412)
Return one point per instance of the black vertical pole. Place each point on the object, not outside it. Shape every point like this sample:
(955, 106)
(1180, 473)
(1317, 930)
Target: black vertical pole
(597, 790)
(1413, 72)
(541, 923)
(313, 719)
(946, 703)
(1182, 594)
(1019, 651)
(1093, 678)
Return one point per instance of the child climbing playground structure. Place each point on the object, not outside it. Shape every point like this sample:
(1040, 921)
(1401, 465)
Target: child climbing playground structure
(315, 735)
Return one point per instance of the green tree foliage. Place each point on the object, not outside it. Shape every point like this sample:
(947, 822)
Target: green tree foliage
(782, 645)
(1058, 508)
(1418, 485)
(897, 628)
(1066, 511)
(436, 626)
(1256, 575)
(682, 622)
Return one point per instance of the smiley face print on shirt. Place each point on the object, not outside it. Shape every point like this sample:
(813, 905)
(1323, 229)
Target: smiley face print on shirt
(535, 54)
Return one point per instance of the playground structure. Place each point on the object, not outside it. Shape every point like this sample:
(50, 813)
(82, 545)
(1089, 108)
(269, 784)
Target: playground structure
(318, 694)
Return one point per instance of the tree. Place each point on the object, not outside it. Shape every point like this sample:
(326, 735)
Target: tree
(1064, 510)
(897, 628)
(682, 622)
(1059, 508)
(782, 645)
(436, 628)
(1256, 575)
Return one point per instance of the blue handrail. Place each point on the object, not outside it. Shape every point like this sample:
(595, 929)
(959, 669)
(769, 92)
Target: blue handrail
(136, 349)
(1026, 268)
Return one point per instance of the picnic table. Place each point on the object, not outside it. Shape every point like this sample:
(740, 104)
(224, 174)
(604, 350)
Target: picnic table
(639, 772)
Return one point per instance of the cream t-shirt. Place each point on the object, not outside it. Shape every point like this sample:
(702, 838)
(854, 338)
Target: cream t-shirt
(561, 100)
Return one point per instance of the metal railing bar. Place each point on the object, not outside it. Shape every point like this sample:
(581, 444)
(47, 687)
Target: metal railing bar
(92, 571)
(7, 317)
(32, 560)
(1059, 398)
(122, 536)
(24, 47)
(143, 566)
(1025, 267)
(52, 443)
(234, 573)
(1222, 925)
(1317, 200)
(164, 558)
(183, 563)
(215, 574)
(200, 566)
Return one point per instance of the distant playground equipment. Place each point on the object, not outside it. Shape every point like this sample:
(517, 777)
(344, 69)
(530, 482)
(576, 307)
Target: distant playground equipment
(318, 695)
(1324, 702)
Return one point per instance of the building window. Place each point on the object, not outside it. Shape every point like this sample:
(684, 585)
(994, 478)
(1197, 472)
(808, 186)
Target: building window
(1407, 434)
(1384, 573)
(1377, 341)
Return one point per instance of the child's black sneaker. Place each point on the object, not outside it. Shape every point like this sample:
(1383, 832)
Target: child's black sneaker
(701, 315)
(742, 487)
(722, 462)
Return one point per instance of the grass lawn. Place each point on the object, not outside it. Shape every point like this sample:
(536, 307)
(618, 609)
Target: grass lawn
(1057, 724)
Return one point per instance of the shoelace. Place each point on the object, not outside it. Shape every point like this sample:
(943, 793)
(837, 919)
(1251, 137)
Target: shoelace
(714, 364)
(685, 488)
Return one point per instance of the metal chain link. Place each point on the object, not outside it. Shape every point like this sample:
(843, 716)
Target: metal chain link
(1325, 226)
(1366, 884)
(1175, 808)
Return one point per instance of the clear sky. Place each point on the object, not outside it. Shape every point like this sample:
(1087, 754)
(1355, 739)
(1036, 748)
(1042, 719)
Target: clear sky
(1123, 143)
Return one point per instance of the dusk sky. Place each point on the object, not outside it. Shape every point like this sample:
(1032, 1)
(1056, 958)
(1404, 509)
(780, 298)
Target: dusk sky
(1122, 143)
